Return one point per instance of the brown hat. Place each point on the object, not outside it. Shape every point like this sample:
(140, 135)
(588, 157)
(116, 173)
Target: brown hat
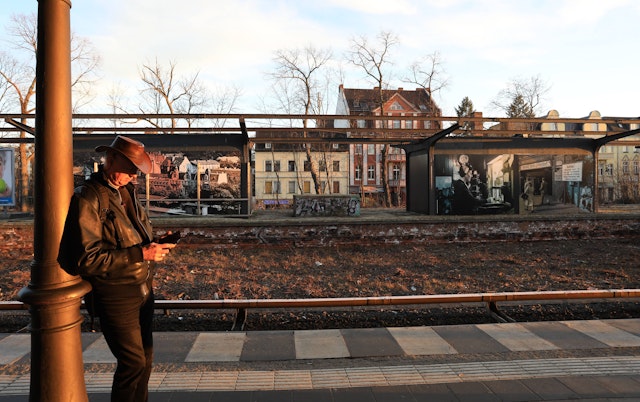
(132, 150)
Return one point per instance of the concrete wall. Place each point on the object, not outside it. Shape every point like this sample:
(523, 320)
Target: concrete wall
(326, 205)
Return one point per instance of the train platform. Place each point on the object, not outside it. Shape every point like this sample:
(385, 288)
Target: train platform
(597, 360)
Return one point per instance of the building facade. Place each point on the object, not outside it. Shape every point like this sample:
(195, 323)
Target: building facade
(404, 111)
(281, 171)
(618, 163)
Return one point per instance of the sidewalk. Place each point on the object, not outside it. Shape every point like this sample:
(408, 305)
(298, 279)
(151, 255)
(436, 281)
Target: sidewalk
(541, 361)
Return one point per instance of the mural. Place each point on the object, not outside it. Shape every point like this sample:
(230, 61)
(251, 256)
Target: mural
(7, 178)
(199, 183)
(507, 184)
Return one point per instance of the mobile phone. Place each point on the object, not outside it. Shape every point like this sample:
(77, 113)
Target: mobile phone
(170, 238)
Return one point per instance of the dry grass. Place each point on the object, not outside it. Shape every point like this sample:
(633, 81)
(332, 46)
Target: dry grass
(272, 272)
(269, 272)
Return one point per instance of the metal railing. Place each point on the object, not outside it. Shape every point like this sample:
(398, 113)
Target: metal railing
(490, 298)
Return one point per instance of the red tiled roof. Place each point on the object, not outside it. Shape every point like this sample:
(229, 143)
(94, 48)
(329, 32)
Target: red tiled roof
(366, 100)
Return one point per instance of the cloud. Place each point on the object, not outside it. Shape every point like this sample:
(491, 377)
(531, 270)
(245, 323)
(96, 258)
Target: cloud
(483, 43)
(380, 7)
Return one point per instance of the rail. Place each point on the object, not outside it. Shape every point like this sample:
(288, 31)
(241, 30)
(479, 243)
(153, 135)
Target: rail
(490, 298)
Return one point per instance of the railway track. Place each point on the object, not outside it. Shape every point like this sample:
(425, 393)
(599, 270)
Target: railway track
(281, 231)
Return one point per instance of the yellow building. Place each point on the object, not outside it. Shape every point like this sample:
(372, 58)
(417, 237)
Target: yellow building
(284, 170)
(618, 161)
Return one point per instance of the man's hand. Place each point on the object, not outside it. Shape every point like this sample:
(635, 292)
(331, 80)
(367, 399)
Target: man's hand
(156, 252)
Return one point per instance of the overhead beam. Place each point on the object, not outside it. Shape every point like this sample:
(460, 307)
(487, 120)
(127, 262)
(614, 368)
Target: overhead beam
(20, 126)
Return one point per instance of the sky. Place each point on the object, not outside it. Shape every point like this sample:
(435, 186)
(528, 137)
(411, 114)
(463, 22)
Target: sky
(585, 51)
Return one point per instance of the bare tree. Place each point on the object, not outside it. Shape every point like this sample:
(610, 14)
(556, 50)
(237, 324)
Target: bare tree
(223, 101)
(85, 64)
(428, 73)
(529, 91)
(373, 59)
(298, 68)
(18, 82)
(164, 91)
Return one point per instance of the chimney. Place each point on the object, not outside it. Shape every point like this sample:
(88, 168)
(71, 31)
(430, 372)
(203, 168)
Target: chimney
(477, 125)
(400, 89)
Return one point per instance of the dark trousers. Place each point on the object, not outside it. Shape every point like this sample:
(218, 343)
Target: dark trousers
(126, 317)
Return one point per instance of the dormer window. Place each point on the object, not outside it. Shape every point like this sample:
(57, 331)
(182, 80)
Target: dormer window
(396, 106)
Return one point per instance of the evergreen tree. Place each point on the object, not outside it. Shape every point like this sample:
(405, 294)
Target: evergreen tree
(465, 109)
(520, 109)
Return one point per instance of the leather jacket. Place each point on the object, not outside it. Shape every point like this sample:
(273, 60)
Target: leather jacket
(105, 247)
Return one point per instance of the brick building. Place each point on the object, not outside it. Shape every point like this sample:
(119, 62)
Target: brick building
(403, 110)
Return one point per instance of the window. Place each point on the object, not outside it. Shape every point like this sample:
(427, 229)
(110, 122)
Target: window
(292, 187)
(335, 145)
(625, 167)
(306, 187)
(336, 187)
(358, 173)
(268, 166)
(322, 165)
(361, 124)
(371, 149)
(636, 167)
(307, 166)
(336, 166)
(267, 145)
(396, 171)
(396, 106)
(396, 124)
(609, 169)
(408, 124)
(323, 187)
(272, 187)
(292, 166)
(358, 149)
(276, 166)
(371, 173)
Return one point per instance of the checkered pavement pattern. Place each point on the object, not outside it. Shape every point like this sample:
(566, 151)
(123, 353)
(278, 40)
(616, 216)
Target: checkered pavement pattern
(193, 348)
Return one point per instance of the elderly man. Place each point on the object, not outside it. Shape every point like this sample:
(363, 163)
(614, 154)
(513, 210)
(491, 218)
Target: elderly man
(108, 240)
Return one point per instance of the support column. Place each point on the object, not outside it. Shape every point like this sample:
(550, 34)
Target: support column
(57, 371)
(245, 171)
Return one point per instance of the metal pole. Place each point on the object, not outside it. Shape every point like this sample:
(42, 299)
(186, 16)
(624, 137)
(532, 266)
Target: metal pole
(57, 372)
(198, 189)
(596, 189)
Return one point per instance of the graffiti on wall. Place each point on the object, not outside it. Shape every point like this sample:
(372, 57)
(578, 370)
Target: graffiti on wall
(326, 205)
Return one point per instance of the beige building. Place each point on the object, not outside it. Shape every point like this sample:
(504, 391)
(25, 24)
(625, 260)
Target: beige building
(283, 170)
(618, 161)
